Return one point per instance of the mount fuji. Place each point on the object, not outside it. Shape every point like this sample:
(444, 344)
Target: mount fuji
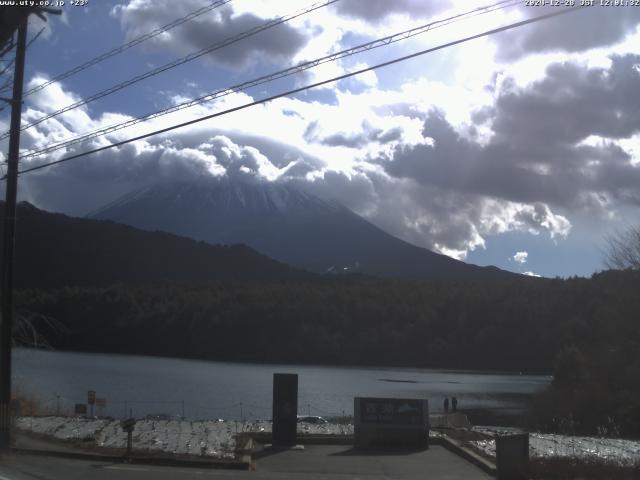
(286, 224)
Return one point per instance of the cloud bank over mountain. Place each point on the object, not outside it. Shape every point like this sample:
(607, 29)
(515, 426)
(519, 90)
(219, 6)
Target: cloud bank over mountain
(546, 132)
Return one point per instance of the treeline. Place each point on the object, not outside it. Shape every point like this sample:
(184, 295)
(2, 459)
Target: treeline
(588, 330)
(518, 325)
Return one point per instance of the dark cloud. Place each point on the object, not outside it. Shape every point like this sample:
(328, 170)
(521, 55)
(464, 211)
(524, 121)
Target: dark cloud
(591, 27)
(367, 134)
(377, 10)
(356, 191)
(391, 135)
(345, 140)
(536, 154)
(276, 45)
(571, 103)
(428, 216)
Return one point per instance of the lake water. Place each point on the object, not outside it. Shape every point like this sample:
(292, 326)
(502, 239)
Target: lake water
(202, 389)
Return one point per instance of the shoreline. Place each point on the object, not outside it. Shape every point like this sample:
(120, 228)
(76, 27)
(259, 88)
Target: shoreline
(364, 366)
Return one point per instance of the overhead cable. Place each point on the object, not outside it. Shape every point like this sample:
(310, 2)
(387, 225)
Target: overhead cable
(176, 63)
(307, 87)
(10, 63)
(396, 37)
(128, 45)
(10, 82)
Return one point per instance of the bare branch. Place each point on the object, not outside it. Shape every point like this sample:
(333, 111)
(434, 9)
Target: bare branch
(26, 330)
(623, 249)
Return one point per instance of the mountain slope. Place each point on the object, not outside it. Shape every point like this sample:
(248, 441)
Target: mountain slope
(54, 250)
(286, 224)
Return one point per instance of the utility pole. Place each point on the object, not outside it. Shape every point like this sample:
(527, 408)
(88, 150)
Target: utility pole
(6, 290)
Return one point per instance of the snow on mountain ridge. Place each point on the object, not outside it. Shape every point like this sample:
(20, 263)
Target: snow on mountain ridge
(224, 196)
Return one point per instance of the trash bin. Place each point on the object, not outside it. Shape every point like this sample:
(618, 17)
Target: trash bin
(512, 456)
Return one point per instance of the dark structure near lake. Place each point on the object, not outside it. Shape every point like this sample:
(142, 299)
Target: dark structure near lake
(512, 456)
(285, 408)
(391, 422)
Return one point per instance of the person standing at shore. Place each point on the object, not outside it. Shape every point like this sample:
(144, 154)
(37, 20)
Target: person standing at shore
(446, 404)
(454, 404)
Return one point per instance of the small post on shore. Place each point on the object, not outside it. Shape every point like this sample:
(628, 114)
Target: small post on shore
(128, 425)
(129, 443)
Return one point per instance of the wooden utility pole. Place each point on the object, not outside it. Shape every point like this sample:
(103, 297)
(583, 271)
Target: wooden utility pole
(6, 289)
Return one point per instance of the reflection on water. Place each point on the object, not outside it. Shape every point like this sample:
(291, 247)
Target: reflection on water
(200, 389)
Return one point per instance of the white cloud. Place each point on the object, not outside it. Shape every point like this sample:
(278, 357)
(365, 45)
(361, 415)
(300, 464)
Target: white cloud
(520, 257)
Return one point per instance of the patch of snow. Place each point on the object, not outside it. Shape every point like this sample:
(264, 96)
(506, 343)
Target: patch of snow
(548, 445)
(210, 438)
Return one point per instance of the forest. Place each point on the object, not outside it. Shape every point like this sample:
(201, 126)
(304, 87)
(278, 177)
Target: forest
(586, 331)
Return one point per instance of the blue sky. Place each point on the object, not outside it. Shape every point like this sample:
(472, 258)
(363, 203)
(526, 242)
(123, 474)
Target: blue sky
(520, 150)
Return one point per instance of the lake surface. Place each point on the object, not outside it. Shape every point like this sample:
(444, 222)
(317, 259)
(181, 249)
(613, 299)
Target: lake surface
(149, 385)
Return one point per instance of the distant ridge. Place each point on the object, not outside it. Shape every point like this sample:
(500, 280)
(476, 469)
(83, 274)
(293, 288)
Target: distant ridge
(54, 250)
(286, 224)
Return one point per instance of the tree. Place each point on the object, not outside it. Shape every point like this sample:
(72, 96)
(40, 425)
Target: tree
(623, 249)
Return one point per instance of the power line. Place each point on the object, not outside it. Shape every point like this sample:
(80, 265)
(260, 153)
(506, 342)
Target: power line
(10, 45)
(178, 62)
(307, 87)
(390, 39)
(35, 37)
(128, 45)
(12, 61)
(8, 65)
(10, 82)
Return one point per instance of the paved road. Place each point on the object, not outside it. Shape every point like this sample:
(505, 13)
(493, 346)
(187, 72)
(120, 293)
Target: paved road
(24, 467)
(334, 461)
(33, 442)
(315, 462)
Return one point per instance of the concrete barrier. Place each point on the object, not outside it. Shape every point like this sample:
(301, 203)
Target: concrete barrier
(450, 420)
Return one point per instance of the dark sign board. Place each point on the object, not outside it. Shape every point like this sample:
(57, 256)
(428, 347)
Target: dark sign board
(80, 409)
(128, 425)
(285, 408)
(391, 422)
(91, 397)
(391, 411)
